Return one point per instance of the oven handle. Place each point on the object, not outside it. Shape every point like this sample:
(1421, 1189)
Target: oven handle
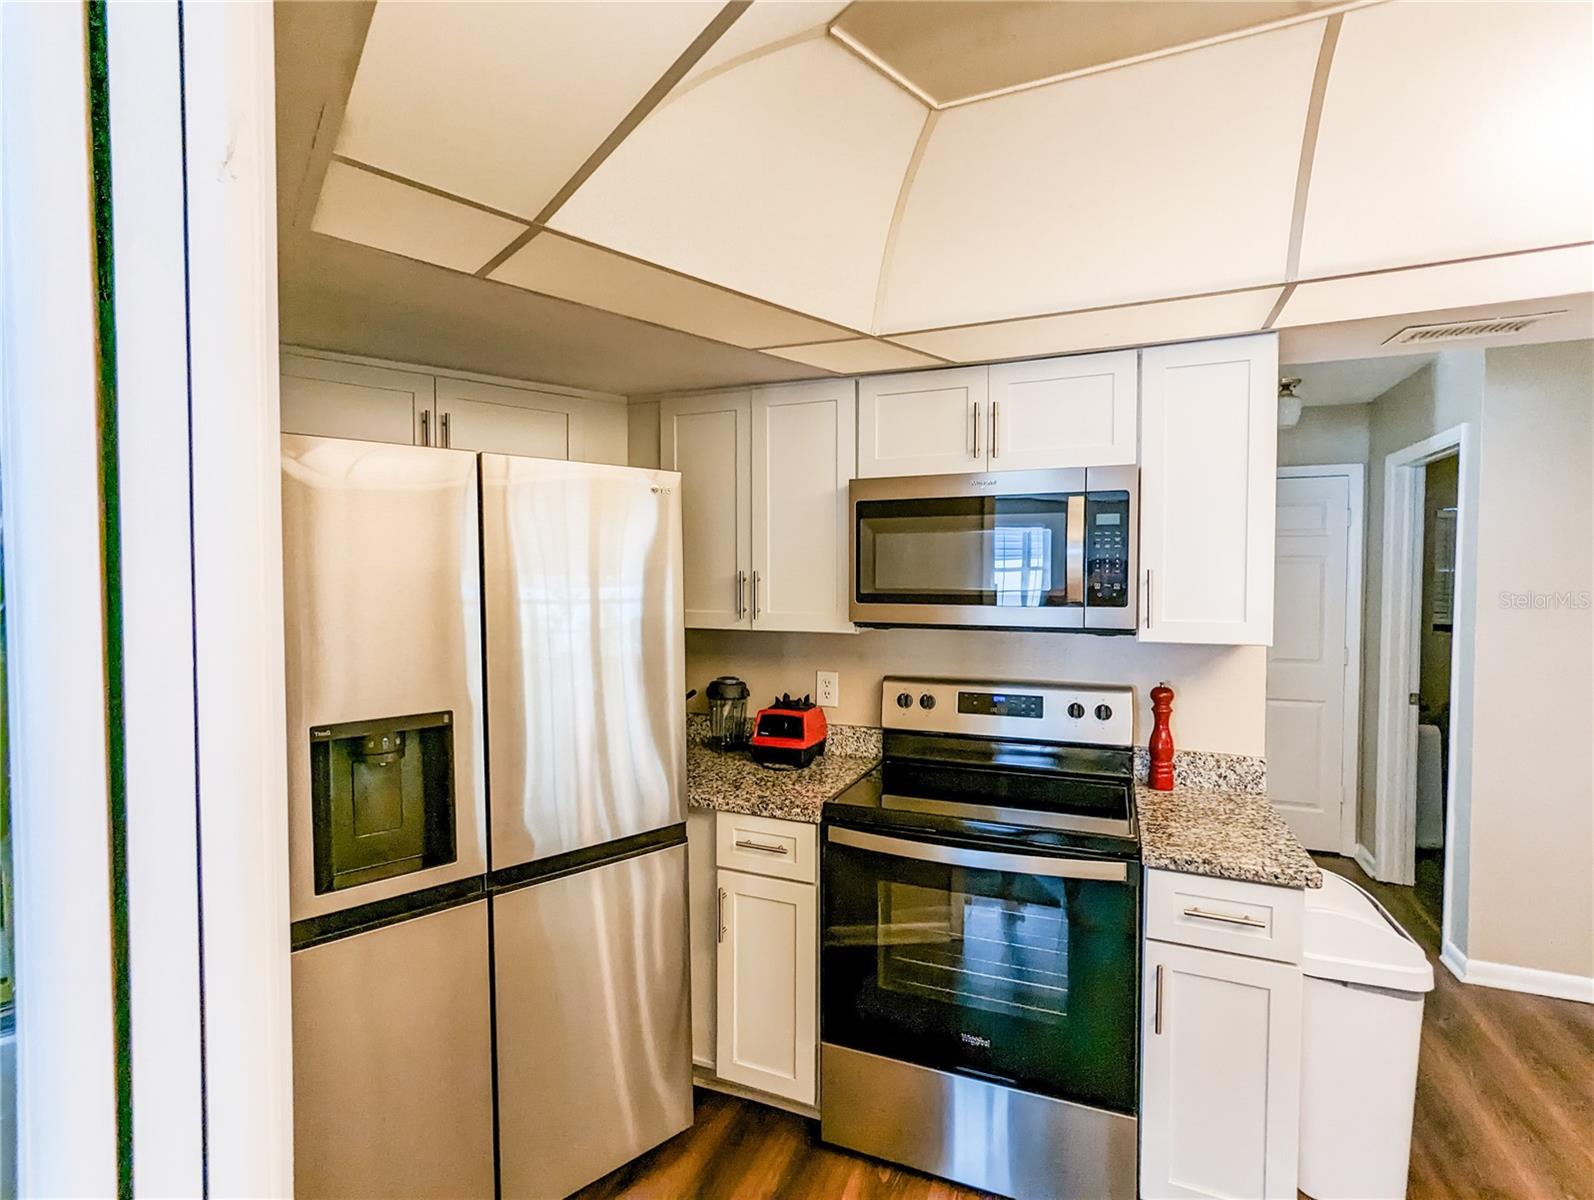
(981, 860)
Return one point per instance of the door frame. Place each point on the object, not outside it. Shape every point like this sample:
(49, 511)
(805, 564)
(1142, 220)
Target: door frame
(1395, 803)
(1355, 475)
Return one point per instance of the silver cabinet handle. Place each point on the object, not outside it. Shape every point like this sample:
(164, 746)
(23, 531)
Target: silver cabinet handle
(755, 595)
(747, 845)
(1148, 597)
(976, 429)
(719, 915)
(447, 438)
(426, 427)
(996, 423)
(741, 594)
(1226, 918)
(1156, 1018)
(981, 860)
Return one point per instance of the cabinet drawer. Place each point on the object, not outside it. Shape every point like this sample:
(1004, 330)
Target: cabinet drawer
(766, 846)
(1255, 919)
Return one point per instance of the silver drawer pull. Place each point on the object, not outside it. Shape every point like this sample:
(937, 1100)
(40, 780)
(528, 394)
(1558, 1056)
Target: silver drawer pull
(743, 844)
(1226, 918)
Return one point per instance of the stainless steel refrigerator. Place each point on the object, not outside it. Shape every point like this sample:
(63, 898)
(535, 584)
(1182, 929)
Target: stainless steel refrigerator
(447, 611)
(586, 713)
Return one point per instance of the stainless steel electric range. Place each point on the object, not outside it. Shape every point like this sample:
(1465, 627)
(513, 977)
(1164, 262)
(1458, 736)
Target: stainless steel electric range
(979, 979)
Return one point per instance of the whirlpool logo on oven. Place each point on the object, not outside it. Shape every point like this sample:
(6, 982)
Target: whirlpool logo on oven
(974, 1039)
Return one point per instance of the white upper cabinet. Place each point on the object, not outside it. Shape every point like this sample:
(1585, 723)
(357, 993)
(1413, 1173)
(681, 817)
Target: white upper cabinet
(923, 423)
(504, 420)
(764, 479)
(326, 398)
(1208, 455)
(708, 440)
(804, 443)
(1064, 412)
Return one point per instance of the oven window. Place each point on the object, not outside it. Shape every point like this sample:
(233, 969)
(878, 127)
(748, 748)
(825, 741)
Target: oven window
(992, 551)
(1024, 979)
(996, 955)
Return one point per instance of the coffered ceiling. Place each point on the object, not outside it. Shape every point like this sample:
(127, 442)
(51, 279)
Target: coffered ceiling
(775, 189)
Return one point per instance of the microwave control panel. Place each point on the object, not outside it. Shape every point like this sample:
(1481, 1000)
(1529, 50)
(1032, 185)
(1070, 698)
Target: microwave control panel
(1107, 536)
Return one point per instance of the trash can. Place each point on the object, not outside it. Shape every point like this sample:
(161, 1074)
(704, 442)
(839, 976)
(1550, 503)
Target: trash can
(1361, 1023)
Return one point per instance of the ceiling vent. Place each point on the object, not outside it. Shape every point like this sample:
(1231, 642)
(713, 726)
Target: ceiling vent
(1451, 331)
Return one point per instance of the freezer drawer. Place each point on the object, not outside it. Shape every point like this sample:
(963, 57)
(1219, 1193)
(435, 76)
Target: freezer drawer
(586, 661)
(392, 1061)
(594, 1027)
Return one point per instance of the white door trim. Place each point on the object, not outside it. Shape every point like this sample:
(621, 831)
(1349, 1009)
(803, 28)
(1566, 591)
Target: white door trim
(1399, 625)
(66, 1053)
(1355, 555)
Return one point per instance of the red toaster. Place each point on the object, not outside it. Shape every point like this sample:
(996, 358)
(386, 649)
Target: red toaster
(789, 733)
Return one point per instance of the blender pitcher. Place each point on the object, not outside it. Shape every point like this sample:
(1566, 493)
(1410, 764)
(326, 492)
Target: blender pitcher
(727, 712)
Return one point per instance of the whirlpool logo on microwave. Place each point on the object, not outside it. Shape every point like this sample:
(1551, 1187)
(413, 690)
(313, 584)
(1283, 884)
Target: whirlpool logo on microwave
(974, 1039)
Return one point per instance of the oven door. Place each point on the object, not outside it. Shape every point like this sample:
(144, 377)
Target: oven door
(1013, 968)
(1001, 551)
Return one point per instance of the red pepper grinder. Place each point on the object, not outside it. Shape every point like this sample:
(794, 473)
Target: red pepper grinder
(1160, 777)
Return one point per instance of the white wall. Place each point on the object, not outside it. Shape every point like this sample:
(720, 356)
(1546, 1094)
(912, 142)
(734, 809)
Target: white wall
(1220, 691)
(1446, 393)
(1531, 882)
(1340, 433)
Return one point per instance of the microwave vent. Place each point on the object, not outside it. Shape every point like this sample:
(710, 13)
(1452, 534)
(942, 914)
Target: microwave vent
(1451, 331)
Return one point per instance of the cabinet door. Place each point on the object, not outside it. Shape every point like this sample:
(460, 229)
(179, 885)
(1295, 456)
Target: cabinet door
(708, 439)
(326, 398)
(923, 423)
(804, 450)
(767, 978)
(1208, 452)
(503, 420)
(1064, 412)
(1220, 1094)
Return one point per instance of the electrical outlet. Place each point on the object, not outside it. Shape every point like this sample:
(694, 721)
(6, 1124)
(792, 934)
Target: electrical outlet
(827, 689)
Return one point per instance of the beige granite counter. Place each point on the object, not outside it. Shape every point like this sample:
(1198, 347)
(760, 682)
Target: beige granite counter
(1227, 834)
(1219, 822)
(730, 781)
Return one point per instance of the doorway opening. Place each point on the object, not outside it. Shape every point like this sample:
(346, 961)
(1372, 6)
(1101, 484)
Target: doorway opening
(1436, 625)
(1424, 668)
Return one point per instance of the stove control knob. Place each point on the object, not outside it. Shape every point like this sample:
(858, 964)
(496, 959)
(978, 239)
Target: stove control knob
(926, 701)
(1076, 710)
(1103, 713)
(904, 700)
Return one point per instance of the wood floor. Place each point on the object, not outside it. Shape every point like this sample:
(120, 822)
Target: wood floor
(1505, 1109)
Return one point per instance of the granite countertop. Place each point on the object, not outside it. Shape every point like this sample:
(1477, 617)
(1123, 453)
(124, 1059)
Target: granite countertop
(730, 781)
(1226, 834)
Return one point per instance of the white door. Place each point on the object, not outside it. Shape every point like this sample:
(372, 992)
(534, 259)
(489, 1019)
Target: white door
(1307, 662)
(767, 974)
(708, 440)
(803, 454)
(1064, 412)
(923, 423)
(1208, 457)
(326, 398)
(1220, 1090)
(503, 420)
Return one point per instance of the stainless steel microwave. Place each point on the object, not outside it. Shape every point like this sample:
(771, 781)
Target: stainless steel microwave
(1010, 550)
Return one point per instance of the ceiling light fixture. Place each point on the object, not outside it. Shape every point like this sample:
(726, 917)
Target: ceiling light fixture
(1289, 402)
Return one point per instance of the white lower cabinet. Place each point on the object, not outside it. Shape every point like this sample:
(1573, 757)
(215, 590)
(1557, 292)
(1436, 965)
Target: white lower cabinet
(1220, 1089)
(767, 993)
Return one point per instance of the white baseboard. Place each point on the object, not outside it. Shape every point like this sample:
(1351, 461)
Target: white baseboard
(1557, 984)
(1365, 860)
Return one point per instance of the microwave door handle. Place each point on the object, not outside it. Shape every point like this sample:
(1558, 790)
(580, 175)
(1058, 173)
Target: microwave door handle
(1074, 586)
(981, 860)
